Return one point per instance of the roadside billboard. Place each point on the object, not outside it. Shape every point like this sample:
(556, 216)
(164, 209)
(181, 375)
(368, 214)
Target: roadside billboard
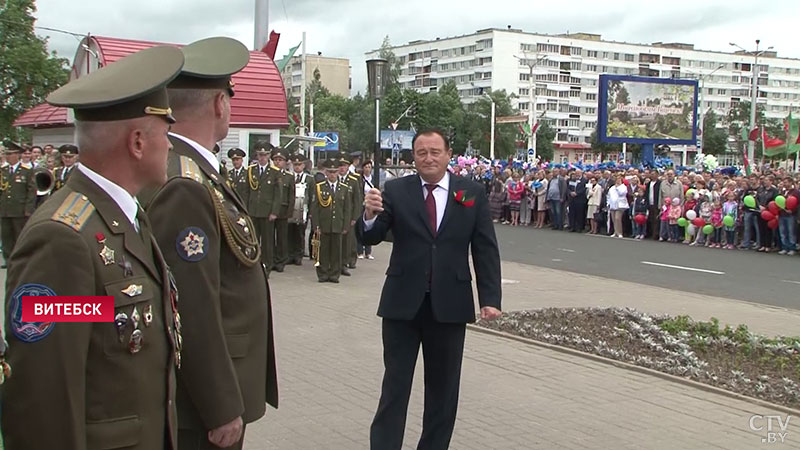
(647, 110)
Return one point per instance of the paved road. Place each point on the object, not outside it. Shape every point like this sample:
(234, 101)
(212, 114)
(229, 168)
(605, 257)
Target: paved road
(769, 279)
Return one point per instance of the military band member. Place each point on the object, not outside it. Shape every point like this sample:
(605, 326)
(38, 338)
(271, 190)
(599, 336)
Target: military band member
(264, 202)
(228, 369)
(237, 177)
(69, 156)
(353, 181)
(331, 210)
(303, 185)
(26, 157)
(286, 182)
(85, 385)
(17, 198)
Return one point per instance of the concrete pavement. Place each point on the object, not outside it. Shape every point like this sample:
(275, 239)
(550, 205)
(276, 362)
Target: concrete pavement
(514, 395)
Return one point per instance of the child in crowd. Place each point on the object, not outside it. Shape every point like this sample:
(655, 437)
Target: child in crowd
(639, 207)
(731, 208)
(675, 213)
(689, 205)
(704, 209)
(716, 222)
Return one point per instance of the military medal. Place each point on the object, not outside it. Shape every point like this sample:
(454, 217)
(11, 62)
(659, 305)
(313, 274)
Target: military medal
(133, 290)
(127, 269)
(135, 343)
(135, 317)
(148, 315)
(106, 254)
(120, 320)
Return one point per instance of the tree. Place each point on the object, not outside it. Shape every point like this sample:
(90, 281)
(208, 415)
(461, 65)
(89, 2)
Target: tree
(27, 72)
(385, 52)
(715, 140)
(544, 141)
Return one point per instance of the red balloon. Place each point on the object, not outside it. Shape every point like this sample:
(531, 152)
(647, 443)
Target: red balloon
(773, 224)
(640, 219)
(773, 208)
(699, 222)
(791, 202)
(768, 216)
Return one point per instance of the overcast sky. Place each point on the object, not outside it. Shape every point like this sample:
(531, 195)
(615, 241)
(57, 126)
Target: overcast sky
(349, 28)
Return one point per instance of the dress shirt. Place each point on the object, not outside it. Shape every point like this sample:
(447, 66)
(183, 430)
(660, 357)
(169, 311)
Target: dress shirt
(123, 198)
(204, 152)
(439, 194)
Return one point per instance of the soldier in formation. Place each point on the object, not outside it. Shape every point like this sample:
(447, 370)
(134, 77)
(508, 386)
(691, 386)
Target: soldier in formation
(332, 210)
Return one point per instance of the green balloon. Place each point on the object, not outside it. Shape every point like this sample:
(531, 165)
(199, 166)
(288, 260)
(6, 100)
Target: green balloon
(689, 192)
(728, 221)
(780, 201)
(708, 229)
(750, 201)
(683, 222)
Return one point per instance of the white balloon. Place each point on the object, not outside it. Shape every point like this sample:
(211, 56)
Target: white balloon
(691, 214)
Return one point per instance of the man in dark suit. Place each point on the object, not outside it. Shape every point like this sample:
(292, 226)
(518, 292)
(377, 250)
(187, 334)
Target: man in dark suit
(577, 201)
(427, 298)
(651, 193)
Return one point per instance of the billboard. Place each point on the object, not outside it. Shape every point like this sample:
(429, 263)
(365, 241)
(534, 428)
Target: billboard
(331, 141)
(396, 140)
(647, 110)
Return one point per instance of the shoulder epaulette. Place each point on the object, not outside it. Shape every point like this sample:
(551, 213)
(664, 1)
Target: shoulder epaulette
(190, 169)
(321, 183)
(74, 211)
(354, 177)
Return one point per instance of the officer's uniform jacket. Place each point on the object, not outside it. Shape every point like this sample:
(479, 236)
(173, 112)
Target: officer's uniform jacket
(238, 181)
(336, 217)
(17, 191)
(287, 195)
(228, 359)
(264, 198)
(90, 385)
(61, 175)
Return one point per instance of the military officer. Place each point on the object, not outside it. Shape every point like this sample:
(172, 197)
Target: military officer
(69, 156)
(286, 184)
(354, 182)
(264, 202)
(237, 177)
(17, 198)
(228, 365)
(84, 385)
(303, 184)
(331, 209)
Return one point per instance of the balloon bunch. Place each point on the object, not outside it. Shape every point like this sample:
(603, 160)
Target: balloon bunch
(773, 210)
(706, 163)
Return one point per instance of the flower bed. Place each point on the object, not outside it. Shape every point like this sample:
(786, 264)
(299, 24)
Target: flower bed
(729, 358)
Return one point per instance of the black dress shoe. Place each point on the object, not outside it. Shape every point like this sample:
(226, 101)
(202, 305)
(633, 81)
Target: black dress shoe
(322, 280)
(298, 262)
(278, 269)
(351, 266)
(334, 281)
(345, 273)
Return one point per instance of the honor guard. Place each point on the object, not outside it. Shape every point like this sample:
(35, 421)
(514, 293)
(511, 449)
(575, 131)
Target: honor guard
(331, 210)
(286, 185)
(69, 156)
(17, 198)
(353, 181)
(92, 385)
(237, 177)
(228, 364)
(264, 202)
(303, 184)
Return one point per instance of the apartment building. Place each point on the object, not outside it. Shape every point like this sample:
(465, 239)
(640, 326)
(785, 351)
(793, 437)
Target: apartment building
(567, 67)
(334, 74)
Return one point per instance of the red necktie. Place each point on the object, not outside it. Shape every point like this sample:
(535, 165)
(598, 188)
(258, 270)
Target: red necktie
(430, 205)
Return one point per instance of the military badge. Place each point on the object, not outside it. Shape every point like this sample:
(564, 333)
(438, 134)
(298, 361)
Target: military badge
(29, 331)
(191, 244)
(106, 254)
(133, 290)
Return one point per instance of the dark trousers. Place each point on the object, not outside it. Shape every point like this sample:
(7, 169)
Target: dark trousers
(10, 229)
(349, 248)
(189, 439)
(577, 215)
(265, 230)
(556, 214)
(297, 245)
(442, 351)
(330, 256)
(281, 243)
(767, 237)
(654, 222)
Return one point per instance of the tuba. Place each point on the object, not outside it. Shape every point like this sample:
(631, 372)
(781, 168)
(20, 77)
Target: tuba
(315, 242)
(45, 181)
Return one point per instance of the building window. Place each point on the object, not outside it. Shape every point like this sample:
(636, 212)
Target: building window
(591, 96)
(616, 56)
(591, 68)
(591, 54)
(524, 77)
(524, 91)
(523, 106)
(590, 110)
(628, 57)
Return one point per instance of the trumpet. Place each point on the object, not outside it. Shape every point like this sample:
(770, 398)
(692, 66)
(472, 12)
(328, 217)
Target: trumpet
(315, 243)
(45, 181)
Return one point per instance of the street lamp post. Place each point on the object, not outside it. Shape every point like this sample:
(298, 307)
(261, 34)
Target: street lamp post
(377, 76)
(751, 149)
(491, 137)
(531, 99)
(702, 109)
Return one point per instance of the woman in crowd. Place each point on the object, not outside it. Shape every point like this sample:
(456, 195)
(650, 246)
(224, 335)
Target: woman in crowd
(618, 204)
(595, 194)
(515, 192)
(497, 198)
(540, 194)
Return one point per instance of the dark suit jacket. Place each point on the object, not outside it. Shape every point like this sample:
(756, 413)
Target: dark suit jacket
(418, 256)
(579, 189)
(657, 190)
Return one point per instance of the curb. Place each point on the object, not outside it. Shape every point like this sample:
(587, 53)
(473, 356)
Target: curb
(635, 368)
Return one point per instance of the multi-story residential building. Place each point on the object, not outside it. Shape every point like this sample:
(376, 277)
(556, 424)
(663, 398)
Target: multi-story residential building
(334, 74)
(566, 69)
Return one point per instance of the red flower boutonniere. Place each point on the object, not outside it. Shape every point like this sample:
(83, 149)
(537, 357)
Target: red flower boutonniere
(461, 198)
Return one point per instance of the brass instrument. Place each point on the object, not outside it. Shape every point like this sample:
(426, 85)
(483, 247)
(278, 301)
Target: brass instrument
(45, 181)
(315, 243)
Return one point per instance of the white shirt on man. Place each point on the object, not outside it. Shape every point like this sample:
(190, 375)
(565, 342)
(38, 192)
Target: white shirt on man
(204, 152)
(121, 197)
